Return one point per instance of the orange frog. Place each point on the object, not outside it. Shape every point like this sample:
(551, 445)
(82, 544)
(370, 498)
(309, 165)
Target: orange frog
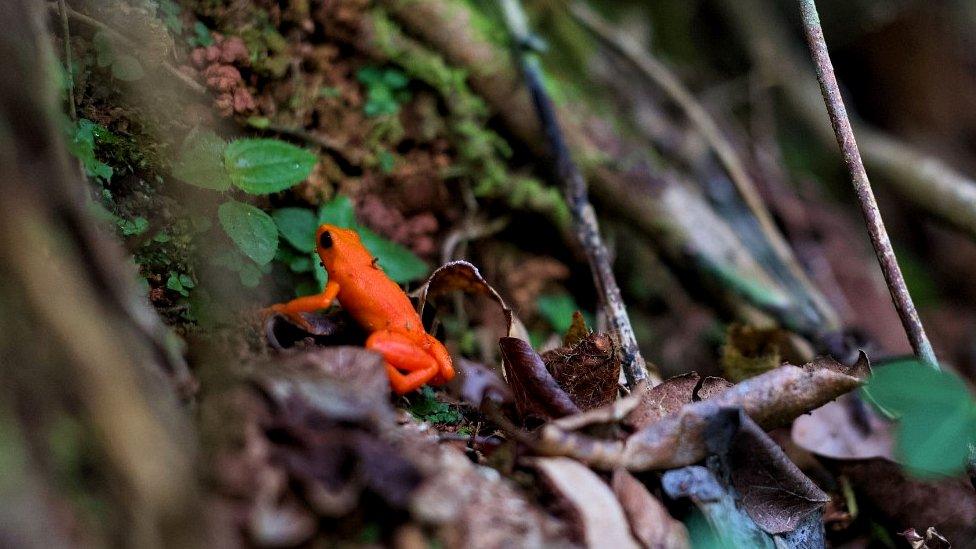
(413, 357)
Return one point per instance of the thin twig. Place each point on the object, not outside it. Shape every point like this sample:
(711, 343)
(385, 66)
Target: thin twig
(661, 76)
(862, 187)
(63, 9)
(584, 217)
(918, 177)
(129, 44)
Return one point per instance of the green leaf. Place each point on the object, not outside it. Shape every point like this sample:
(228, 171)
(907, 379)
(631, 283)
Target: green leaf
(133, 227)
(201, 161)
(386, 161)
(937, 415)
(558, 310)
(265, 166)
(397, 262)
(297, 226)
(127, 68)
(338, 212)
(426, 407)
(201, 35)
(251, 229)
(82, 146)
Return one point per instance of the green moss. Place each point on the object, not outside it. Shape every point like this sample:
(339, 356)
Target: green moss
(481, 151)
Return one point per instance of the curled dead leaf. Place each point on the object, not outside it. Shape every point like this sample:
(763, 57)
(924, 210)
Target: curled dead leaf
(773, 490)
(846, 429)
(591, 508)
(681, 438)
(536, 392)
(649, 519)
(462, 276)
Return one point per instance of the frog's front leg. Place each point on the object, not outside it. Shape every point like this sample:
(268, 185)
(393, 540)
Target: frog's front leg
(402, 354)
(307, 304)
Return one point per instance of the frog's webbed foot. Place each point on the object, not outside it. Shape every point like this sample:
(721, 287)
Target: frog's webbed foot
(407, 363)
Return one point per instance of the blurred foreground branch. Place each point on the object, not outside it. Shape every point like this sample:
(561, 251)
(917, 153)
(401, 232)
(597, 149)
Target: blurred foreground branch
(79, 378)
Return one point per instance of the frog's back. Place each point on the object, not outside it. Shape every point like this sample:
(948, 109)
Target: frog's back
(376, 301)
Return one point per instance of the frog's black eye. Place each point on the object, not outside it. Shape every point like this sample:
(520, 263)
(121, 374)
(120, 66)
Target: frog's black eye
(325, 240)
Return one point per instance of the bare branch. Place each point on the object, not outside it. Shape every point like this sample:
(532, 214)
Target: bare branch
(584, 217)
(862, 187)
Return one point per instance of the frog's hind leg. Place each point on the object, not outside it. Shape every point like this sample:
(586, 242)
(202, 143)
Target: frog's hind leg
(445, 365)
(402, 354)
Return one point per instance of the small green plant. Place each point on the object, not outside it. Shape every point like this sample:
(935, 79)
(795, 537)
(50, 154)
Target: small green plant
(133, 227)
(201, 35)
(82, 137)
(936, 415)
(386, 90)
(169, 12)
(427, 408)
(180, 283)
(558, 311)
(298, 225)
(255, 166)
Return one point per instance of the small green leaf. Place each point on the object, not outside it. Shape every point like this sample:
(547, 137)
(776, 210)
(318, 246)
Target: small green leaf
(297, 226)
(386, 161)
(338, 212)
(127, 68)
(259, 122)
(397, 262)
(265, 166)
(133, 227)
(937, 415)
(201, 35)
(186, 281)
(321, 275)
(174, 282)
(558, 310)
(200, 161)
(251, 229)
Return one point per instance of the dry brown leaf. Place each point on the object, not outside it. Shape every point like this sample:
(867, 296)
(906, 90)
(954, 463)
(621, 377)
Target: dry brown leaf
(932, 539)
(588, 370)
(461, 276)
(474, 506)
(588, 503)
(772, 399)
(537, 394)
(662, 399)
(846, 429)
(649, 519)
(711, 386)
(774, 492)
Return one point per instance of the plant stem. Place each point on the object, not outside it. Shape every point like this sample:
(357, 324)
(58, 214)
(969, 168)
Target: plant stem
(862, 187)
(585, 224)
